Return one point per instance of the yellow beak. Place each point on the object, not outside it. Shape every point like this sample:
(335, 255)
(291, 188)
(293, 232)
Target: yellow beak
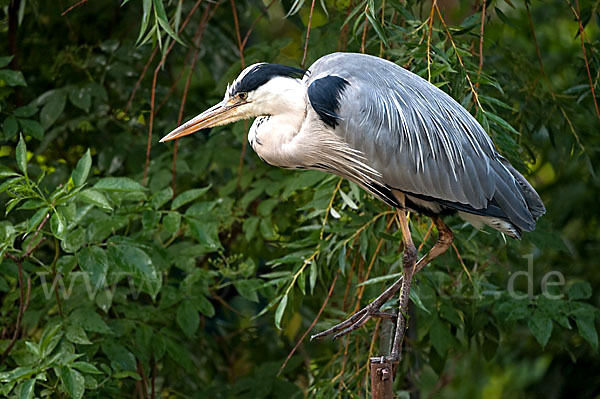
(219, 114)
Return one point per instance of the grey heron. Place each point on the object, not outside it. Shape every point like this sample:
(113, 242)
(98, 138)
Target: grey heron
(393, 133)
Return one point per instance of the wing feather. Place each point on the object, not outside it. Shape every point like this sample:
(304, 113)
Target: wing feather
(420, 140)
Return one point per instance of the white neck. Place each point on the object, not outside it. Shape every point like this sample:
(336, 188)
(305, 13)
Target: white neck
(282, 101)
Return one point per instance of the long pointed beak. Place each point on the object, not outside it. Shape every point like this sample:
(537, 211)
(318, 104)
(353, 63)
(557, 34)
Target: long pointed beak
(216, 115)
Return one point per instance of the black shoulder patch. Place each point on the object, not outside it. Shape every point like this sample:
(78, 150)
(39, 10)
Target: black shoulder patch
(324, 95)
(261, 74)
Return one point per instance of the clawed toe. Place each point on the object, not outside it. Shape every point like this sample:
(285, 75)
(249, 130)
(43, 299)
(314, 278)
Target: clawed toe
(356, 321)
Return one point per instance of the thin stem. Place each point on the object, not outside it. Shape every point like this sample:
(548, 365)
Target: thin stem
(330, 292)
(585, 58)
(153, 96)
(312, 7)
(483, 9)
(79, 3)
(23, 304)
(364, 33)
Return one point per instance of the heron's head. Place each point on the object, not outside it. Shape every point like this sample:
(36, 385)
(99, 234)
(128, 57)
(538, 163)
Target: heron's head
(259, 90)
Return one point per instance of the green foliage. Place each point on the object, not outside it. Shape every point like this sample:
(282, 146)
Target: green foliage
(118, 280)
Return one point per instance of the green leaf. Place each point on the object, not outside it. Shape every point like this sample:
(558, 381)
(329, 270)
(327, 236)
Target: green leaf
(580, 290)
(587, 330)
(187, 318)
(26, 389)
(82, 170)
(376, 26)
(58, 225)
(26, 111)
(120, 357)
(94, 197)
(127, 374)
(161, 198)
(584, 315)
(171, 222)
(502, 123)
(10, 127)
(441, 338)
(11, 78)
(72, 382)
(136, 264)
(313, 276)
(347, 200)
(540, 326)
(265, 207)
(65, 264)
(53, 108)
(206, 234)
(86, 367)
(81, 97)
(22, 156)
(37, 218)
(248, 288)
(6, 172)
(32, 128)
(32, 204)
(89, 320)
(118, 184)
(203, 305)
(188, 196)
(74, 240)
(250, 226)
(164, 22)
(94, 262)
(280, 311)
(5, 60)
(147, 8)
(77, 335)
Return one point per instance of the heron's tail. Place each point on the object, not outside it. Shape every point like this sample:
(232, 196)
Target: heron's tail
(517, 199)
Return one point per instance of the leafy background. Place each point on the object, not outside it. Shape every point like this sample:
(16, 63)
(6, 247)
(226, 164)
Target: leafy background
(193, 271)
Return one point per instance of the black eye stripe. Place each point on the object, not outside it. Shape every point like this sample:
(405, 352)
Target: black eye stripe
(261, 74)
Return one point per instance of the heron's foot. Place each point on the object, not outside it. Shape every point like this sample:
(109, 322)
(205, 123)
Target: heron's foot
(355, 321)
(359, 318)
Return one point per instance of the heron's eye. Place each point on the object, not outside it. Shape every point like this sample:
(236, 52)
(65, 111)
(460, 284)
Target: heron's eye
(243, 95)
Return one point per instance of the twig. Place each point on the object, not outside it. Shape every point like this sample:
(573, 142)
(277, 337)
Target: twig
(243, 65)
(585, 58)
(23, 304)
(153, 96)
(372, 262)
(144, 382)
(312, 7)
(382, 25)
(475, 95)
(537, 51)
(251, 29)
(425, 238)
(139, 81)
(197, 40)
(238, 36)
(154, 52)
(79, 3)
(462, 263)
(364, 33)
(429, 40)
(289, 356)
(483, 9)
(154, 371)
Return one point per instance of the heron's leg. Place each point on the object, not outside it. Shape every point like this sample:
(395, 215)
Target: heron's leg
(359, 318)
(409, 268)
(443, 242)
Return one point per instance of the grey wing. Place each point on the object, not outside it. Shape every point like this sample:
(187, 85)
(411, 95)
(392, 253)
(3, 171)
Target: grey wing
(420, 140)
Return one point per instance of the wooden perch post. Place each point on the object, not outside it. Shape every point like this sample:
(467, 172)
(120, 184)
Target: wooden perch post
(382, 378)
